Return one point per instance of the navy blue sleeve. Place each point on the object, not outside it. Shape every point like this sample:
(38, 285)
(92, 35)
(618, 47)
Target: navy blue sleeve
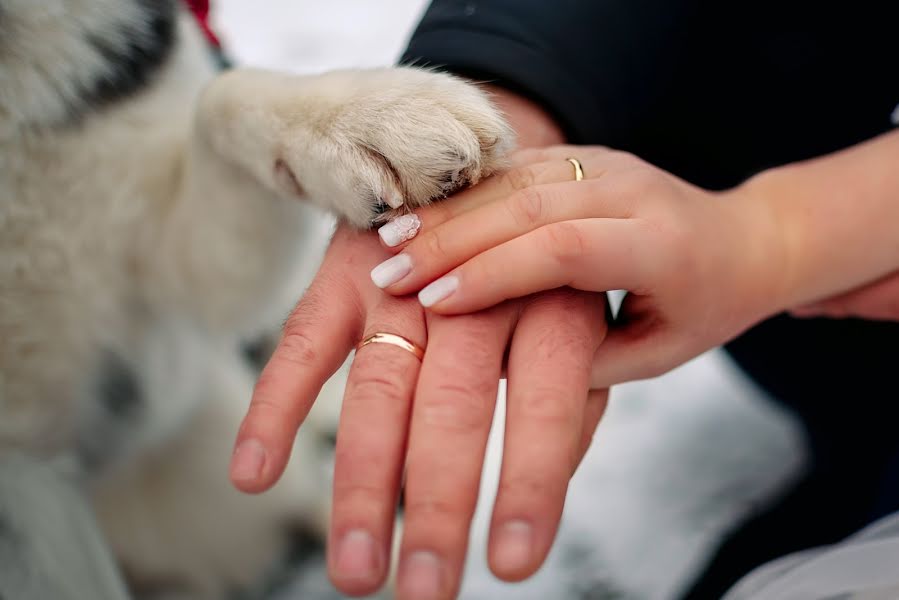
(595, 65)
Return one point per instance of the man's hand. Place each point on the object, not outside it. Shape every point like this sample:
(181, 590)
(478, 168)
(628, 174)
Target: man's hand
(440, 440)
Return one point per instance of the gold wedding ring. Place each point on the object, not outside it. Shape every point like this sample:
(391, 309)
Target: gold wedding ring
(394, 340)
(578, 169)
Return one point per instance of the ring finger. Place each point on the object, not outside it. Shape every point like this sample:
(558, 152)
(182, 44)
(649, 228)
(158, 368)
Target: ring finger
(370, 447)
(528, 168)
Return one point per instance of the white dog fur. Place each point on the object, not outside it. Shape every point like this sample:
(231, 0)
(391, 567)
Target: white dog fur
(150, 213)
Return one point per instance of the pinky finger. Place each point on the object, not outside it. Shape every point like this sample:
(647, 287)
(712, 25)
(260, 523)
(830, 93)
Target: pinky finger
(586, 254)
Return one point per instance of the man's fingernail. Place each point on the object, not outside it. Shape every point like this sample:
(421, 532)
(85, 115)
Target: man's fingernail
(513, 546)
(357, 556)
(438, 290)
(401, 229)
(420, 576)
(391, 270)
(248, 460)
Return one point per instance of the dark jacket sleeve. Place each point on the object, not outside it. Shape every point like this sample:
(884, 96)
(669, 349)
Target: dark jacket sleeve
(595, 65)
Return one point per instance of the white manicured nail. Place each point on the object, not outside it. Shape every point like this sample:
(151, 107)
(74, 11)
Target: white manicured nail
(402, 229)
(438, 290)
(391, 270)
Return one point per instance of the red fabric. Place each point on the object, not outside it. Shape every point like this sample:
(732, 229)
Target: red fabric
(200, 8)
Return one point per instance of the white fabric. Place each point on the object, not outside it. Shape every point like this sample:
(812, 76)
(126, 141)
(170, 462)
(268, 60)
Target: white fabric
(863, 567)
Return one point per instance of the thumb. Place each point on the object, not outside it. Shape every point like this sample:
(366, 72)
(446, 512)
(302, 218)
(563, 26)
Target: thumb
(637, 346)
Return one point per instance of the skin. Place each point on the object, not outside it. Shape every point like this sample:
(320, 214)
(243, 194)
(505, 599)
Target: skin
(876, 301)
(700, 266)
(435, 444)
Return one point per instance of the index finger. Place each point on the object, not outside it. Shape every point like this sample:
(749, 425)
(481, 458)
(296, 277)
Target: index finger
(317, 337)
(527, 168)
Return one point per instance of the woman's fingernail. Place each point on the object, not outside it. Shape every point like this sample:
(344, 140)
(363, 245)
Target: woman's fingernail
(419, 576)
(391, 270)
(248, 460)
(401, 229)
(513, 546)
(438, 290)
(357, 556)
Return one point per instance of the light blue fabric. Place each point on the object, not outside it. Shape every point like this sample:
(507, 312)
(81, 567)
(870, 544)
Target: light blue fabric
(50, 544)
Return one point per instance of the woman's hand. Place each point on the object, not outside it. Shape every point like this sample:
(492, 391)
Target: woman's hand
(700, 266)
(878, 301)
(440, 438)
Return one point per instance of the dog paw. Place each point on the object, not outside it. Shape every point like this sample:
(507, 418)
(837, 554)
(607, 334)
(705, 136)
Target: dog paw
(395, 140)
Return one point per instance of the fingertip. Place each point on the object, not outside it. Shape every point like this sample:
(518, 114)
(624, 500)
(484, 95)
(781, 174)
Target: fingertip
(391, 271)
(513, 554)
(248, 460)
(357, 564)
(254, 466)
(437, 292)
(398, 231)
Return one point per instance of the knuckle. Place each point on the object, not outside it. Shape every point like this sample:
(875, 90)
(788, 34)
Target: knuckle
(519, 178)
(435, 509)
(377, 387)
(433, 244)
(383, 380)
(456, 407)
(551, 405)
(462, 395)
(531, 488)
(465, 360)
(297, 347)
(562, 344)
(528, 208)
(358, 494)
(642, 179)
(565, 242)
(263, 408)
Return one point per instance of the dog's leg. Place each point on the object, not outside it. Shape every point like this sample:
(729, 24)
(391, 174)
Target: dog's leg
(355, 142)
(50, 545)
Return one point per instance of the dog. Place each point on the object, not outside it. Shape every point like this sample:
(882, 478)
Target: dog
(152, 208)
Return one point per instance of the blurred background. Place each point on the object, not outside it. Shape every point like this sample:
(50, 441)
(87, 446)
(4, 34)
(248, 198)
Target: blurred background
(677, 461)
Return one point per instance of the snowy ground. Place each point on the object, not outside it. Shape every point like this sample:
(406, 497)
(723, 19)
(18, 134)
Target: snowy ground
(676, 461)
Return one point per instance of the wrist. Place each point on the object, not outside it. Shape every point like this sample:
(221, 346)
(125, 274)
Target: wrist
(836, 218)
(768, 244)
